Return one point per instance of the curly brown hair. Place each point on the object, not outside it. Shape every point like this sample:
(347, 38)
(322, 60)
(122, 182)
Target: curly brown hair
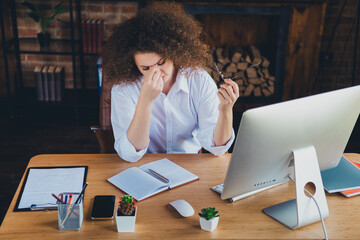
(163, 28)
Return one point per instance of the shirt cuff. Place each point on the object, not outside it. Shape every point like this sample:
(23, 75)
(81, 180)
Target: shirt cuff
(127, 151)
(220, 150)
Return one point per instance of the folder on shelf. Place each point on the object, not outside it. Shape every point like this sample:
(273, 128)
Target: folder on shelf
(59, 77)
(38, 83)
(45, 83)
(51, 82)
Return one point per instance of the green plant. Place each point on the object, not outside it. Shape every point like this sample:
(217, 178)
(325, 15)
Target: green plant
(41, 17)
(208, 213)
(127, 205)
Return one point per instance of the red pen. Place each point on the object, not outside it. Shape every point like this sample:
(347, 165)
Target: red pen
(70, 198)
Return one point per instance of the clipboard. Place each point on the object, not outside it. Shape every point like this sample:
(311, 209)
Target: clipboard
(40, 182)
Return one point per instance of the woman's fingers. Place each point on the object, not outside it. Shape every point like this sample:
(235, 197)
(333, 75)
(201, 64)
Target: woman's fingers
(228, 92)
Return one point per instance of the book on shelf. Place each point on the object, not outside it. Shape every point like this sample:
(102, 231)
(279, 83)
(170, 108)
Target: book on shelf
(92, 35)
(59, 77)
(99, 34)
(345, 176)
(85, 39)
(38, 83)
(152, 178)
(51, 82)
(352, 192)
(45, 83)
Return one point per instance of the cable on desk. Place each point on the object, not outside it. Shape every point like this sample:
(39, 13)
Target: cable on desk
(312, 197)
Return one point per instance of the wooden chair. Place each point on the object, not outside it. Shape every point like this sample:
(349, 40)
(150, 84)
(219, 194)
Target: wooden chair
(104, 132)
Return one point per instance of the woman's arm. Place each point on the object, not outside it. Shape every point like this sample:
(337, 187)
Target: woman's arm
(228, 94)
(139, 129)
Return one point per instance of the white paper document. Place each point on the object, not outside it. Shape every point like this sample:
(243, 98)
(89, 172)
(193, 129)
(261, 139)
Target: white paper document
(42, 182)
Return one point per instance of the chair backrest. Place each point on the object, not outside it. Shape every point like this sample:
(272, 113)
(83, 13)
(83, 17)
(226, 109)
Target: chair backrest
(104, 133)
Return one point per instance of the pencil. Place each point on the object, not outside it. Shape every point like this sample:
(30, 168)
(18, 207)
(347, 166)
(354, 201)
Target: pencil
(72, 208)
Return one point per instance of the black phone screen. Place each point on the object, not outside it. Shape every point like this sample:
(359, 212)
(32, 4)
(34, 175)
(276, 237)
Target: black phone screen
(103, 207)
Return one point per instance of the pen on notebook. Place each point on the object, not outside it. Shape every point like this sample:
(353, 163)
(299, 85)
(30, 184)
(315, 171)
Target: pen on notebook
(158, 175)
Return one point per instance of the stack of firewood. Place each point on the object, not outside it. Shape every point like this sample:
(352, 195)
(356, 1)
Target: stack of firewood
(247, 67)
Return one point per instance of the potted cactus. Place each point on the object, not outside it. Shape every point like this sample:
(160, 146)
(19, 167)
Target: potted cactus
(209, 219)
(126, 214)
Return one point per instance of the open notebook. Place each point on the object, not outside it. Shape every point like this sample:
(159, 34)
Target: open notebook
(141, 183)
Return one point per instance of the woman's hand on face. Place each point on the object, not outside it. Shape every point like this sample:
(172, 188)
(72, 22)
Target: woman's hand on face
(228, 94)
(152, 84)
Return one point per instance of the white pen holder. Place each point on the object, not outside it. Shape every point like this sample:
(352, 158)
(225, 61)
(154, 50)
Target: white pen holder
(70, 216)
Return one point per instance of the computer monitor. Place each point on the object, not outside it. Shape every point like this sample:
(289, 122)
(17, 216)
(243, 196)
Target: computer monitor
(298, 137)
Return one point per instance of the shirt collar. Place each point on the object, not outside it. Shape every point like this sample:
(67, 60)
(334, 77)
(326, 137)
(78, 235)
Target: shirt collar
(181, 82)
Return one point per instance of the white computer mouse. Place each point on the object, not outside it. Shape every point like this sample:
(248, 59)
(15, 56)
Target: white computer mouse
(183, 207)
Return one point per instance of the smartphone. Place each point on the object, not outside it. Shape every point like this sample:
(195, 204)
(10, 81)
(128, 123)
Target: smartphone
(103, 207)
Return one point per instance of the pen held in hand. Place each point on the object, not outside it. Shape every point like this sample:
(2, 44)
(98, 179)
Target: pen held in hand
(161, 177)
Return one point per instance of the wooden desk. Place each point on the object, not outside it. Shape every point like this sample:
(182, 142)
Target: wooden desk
(157, 220)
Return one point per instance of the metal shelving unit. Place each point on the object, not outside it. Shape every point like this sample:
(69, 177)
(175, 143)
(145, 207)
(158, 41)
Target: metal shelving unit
(72, 47)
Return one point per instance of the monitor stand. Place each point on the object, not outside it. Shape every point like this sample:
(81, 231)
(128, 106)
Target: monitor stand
(302, 211)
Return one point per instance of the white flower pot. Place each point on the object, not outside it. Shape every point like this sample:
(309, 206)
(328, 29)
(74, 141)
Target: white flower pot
(209, 225)
(126, 223)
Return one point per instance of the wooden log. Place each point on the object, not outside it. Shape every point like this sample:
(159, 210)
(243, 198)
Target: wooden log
(248, 59)
(249, 89)
(242, 66)
(239, 75)
(271, 89)
(219, 53)
(236, 57)
(228, 74)
(255, 55)
(260, 73)
(251, 73)
(266, 92)
(231, 68)
(242, 88)
(257, 92)
(254, 81)
(223, 61)
(240, 82)
(265, 62)
(266, 73)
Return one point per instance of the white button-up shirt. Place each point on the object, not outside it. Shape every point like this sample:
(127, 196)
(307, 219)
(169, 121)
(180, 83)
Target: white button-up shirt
(183, 121)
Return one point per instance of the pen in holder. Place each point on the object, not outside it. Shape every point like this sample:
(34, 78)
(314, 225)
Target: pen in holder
(70, 212)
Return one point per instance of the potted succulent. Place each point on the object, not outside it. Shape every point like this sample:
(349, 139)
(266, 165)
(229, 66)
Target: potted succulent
(126, 214)
(209, 219)
(44, 19)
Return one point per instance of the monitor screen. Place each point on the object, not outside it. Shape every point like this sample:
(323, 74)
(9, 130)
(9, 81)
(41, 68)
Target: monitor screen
(267, 137)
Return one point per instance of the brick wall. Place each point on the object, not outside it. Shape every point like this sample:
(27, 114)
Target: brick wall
(338, 67)
(111, 12)
(336, 72)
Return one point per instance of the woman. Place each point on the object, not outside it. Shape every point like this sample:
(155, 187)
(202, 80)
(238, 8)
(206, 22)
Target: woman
(162, 101)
